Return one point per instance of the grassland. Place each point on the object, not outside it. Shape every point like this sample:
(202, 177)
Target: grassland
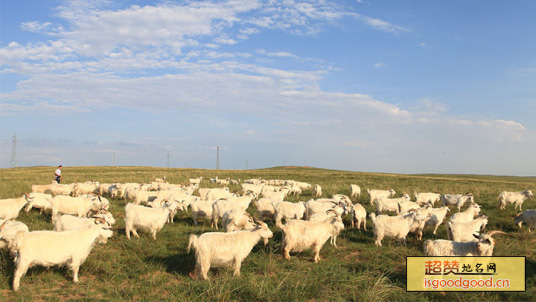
(143, 269)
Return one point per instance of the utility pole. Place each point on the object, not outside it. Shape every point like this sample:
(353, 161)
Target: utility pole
(14, 152)
(114, 160)
(168, 159)
(217, 157)
(247, 165)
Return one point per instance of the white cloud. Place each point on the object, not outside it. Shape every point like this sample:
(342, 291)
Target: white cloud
(379, 65)
(384, 25)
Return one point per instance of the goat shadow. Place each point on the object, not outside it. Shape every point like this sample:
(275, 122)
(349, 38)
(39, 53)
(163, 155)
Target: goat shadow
(181, 263)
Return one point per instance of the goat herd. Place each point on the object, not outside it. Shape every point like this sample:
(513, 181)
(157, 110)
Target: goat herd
(81, 217)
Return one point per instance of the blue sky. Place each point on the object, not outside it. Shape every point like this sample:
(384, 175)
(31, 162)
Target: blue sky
(386, 86)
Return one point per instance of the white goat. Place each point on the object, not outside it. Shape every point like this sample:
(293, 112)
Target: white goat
(355, 191)
(151, 219)
(8, 233)
(516, 198)
(359, 216)
(265, 208)
(318, 206)
(323, 216)
(42, 188)
(68, 222)
(389, 204)
(48, 248)
(80, 206)
(437, 215)
(218, 249)
(377, 194)
(528, 217)
(457, 199)
(317, 189)
(195, 181)
(201, 208)
(39, 201)
(239, 204)
(424, 198)
(59, 189)
(407, 205)
(463, 231)
(288, 210)
(10, 208)
(468, 215)
(234, 220)
(394, 226)
(299, 235)
(483, 247)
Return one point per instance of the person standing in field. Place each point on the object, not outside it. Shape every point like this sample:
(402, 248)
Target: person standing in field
(57, 174)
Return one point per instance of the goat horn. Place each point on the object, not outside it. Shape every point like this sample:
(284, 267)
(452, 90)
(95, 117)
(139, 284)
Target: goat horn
(101, 220)
(332, 210)
(491, 233)
(3, 225)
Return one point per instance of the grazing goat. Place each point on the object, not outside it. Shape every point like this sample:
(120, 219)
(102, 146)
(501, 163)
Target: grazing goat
(237, 203)
(424, 198)
(218, 249)
(389, 205)
(10, 208)
(483, 247)
(151, 219)
(80, 206)
(394, 226)
(528, 217)
(47, 248)
(288, 210)
(377, 194)
(265, 208)
(457, 199)
(201, 208)
(299, 235)
(516, 198)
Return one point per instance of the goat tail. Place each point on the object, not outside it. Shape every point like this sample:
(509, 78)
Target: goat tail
(193, 243)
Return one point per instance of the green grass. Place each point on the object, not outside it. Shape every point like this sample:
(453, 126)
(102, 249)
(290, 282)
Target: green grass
(143, 269)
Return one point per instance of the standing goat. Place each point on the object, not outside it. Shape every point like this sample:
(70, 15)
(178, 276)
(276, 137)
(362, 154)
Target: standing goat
(151, 219)
(528, 217)
(299, 235)
(516, 198)
(10, 208)
(483, 247)
(218, 249)
(47, 248)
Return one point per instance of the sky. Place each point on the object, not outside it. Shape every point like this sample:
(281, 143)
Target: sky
(374, 86)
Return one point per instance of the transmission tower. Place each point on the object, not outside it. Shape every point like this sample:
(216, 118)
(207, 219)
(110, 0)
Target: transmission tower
(14, 152)
(217, 157)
